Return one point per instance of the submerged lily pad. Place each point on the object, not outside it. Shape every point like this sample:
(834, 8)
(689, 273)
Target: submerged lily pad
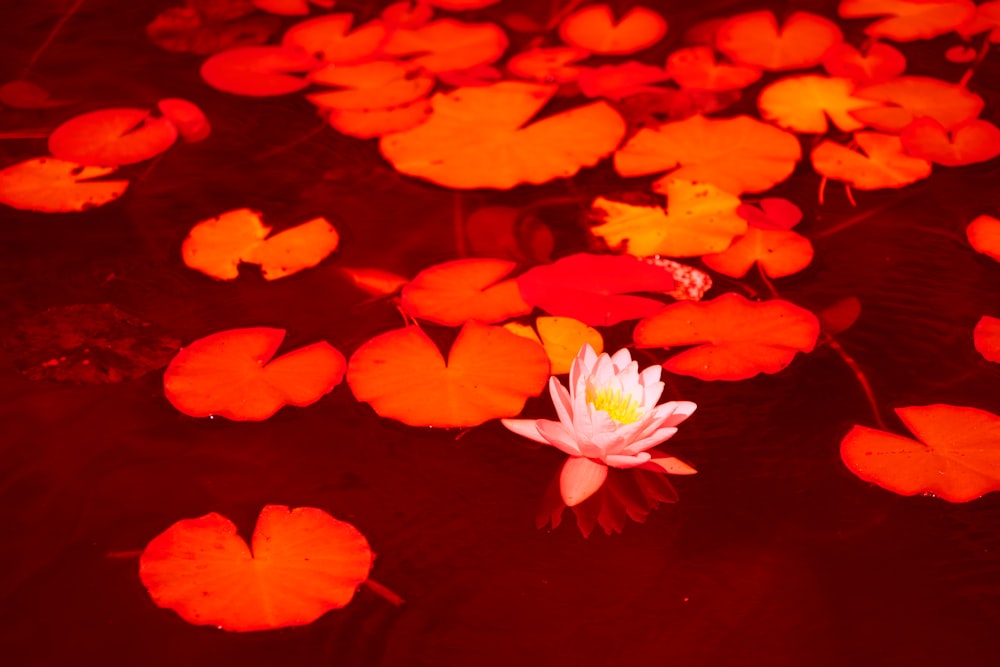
(93, 343)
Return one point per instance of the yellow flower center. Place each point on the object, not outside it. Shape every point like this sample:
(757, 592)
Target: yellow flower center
(622, 408)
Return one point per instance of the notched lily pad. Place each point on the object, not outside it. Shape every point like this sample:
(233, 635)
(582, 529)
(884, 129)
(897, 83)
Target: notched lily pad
(87, 344)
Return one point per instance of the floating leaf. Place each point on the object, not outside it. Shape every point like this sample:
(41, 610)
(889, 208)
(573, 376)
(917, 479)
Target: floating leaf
(232, 374)
(562, 338)
(550, 65)
(909, 20)
(374, 85)
(375, 281)
(617, 81)
(370, 123)
(910, 97)
(699, 219)
(771, 213)
(594, 28)
(187, 117)
(884, 163)
(208, 26)
(779, 252)
(329, 38)
(490, 373)
(690, 284)
(217, 246)
(987, 338)
(407, 14)
(696, 68)
(840, 315)
(966, 143)
(459, 5)
(112, 137)
(735, 338)
(94, 343)
(984, 235)
(466, 289)
(258, 71)
(738, 154)
(22, 94)
(960, 54)
(595, 289)
(956, 455)
(301, 563)
(476, 138)
(986, 18)
(755, 39)
(49, 185)
(803, 103)
(880, 62)
(445, 45)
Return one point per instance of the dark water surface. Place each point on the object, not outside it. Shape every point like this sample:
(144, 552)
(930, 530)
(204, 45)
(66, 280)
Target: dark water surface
(775, 554)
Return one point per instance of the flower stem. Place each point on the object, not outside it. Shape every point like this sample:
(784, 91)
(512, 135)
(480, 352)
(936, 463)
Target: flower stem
(50, 37)
(390, 596)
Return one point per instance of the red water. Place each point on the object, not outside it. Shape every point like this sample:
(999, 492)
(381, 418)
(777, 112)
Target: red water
(775, 554)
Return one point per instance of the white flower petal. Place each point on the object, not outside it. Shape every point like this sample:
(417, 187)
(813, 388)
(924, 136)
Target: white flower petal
(562, 401)
(558, 436)
(657, 436)
(623, 461)
(527, 428)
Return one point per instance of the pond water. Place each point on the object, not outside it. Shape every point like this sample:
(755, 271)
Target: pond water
(775, 554)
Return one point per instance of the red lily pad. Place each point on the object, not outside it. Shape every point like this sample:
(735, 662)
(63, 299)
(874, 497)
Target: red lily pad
(48, 185)
(595, 289)
(490, 373)
(987, 338)
(258, 71)
(771, 213)
(112, 137)
(301, 563)
(594, 28)
(755, 39)
(880, 62)
(984, 235)
(466, 289)
(956, 454)
(232, 374)
(779, 252)
(735, 338)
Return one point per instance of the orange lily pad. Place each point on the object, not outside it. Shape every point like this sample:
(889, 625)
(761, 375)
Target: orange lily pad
(329, 38)
(739, 154)
(301, 564)
(986, 336)
(375, 281)
(984, 235)
(562, 338)
(970, 142)
(755, 39)
(48, 185)
(595, 289)
(112, 137)
(735, 338)
(466, 289)
(232, 374)
(908, 20)
(780, 252)
(910, 97)
(884, 163)
(700, 218)
(956, 455)
(803, 103)
(986, 19)
(880, 62)
(477, 138)
(445, 45)
(490, 373)
(696, 68)
(217, 246)
(258, 71)
(371, 123)
(594, 28)
(547, 65)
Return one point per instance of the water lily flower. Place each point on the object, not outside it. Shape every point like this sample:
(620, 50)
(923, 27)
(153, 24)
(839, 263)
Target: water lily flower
(607, 417)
